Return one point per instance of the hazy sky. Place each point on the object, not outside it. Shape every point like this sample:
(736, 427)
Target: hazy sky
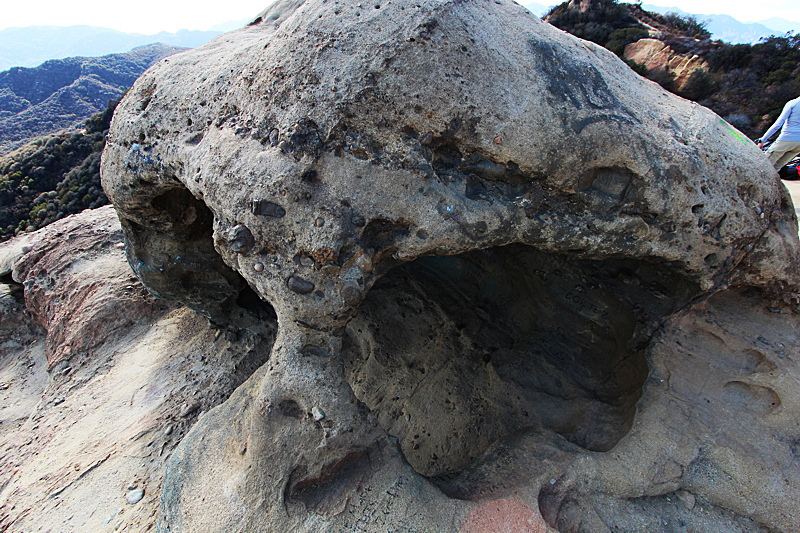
(141, 16)
(742, 10)
(152, 16)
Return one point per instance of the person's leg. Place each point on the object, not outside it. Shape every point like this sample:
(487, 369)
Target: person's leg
(781, 152)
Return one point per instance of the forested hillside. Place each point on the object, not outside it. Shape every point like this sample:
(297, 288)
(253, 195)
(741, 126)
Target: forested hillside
(52, 177)
(745, 84)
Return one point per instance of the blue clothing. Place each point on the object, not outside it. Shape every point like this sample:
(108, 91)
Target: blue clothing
(788, 122)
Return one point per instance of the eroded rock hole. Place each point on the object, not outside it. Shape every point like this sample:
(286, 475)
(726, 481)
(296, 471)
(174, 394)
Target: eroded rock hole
(171, 248)
(14, 290)
(454, 353)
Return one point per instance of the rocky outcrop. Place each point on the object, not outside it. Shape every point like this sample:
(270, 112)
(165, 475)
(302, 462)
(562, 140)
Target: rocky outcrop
(99, 380)
(515, 283)
(656, 55)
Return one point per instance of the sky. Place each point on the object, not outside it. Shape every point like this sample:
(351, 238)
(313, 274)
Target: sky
(141, 16)
(742, 10)
(153, 16)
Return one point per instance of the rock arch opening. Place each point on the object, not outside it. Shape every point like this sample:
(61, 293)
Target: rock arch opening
(453, 353)
(171, 249)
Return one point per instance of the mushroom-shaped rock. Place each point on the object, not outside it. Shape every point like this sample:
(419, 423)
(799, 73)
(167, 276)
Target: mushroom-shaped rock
(483, 239)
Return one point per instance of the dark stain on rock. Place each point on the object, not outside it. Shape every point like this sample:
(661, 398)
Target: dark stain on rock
(579, 125)
(304, 138)
(290, 408)
(312, 350)
(674, 173)
(267, 209)
(380, 233)
(610, 181)
(328, 493)
(578, 83)
(568, 79)
(794, 446)
(310, 176)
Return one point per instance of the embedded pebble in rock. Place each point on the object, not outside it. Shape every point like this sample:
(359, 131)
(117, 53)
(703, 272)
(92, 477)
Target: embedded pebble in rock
(240, 239)
(325, 256)
(351, 295)
(189, 409)
(559, 273)
(268, 209)
(134, 496)
(317, 413)
(299, 285)
(687, 498)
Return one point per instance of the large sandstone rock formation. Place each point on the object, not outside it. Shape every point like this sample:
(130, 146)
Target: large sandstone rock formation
(516, 284)
(656, 55)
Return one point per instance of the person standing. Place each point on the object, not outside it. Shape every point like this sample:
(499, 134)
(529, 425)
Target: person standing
(787, 145)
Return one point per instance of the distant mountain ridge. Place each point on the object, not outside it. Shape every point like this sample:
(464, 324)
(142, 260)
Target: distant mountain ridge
(32, 45)
(63, 93)
(537, 9)
(728, 29)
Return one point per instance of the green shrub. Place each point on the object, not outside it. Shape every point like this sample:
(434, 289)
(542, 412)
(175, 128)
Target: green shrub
(598, 24)
(699, 86)
(53, 177)
(638, 68)
(663, 77)
(620, 38)
(687, 25)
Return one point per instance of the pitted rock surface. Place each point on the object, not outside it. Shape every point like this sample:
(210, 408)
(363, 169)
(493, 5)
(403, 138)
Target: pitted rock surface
(485, 241)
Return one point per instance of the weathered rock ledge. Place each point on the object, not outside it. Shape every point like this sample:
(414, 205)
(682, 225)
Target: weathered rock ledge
(99, 381)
